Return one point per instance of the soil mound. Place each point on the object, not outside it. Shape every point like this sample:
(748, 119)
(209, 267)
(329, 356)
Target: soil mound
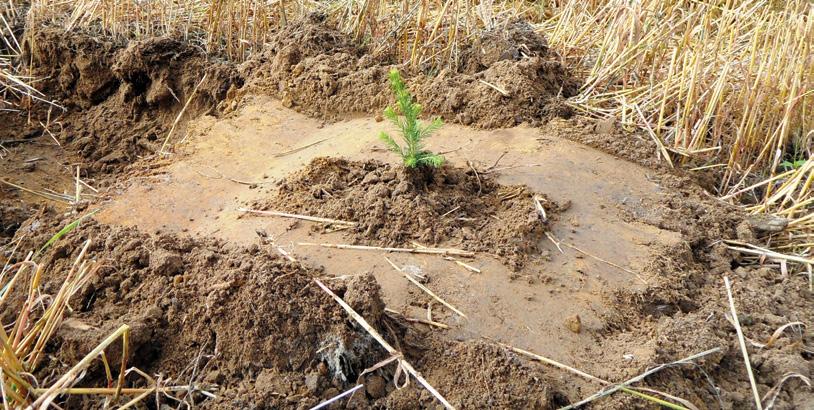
(472, 386)
(393, 206)
(514, 42)
(246, 324)
(500, 83)
(234, 313)
(122, 101)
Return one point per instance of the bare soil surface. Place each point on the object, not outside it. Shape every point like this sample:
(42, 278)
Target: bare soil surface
(316, 70)
(394, 206)
(631, 277)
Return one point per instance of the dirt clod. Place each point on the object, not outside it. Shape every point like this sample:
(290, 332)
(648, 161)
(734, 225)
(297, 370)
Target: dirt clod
(573, 323)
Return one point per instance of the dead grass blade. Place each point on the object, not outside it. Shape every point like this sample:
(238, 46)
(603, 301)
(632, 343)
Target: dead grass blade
(180, 115)
(587, 376)
(338, 397)
(373, 333)
(616, 387)
(424, 288)
(772, 394)
(297, 216)
(431, 251)
(742, 343)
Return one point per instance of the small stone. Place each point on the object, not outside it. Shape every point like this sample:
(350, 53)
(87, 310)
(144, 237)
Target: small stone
(768, 223)
(376, 386)
(312, 382)
(574, 323)
(166, 263)
(379, 118)
(29, 166)
(287, 101)
(605, 126)
(370, 178)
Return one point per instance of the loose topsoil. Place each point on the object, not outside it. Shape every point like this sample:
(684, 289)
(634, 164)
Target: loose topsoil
(317, 70)
(255, 329)
(259, 333)
(394, 206)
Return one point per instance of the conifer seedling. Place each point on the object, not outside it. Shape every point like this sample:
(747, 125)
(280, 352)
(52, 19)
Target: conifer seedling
(412, 131)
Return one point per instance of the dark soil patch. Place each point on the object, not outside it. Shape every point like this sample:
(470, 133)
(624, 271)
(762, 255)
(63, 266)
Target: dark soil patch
(253, 327)
(121, 100)
(12, 215)
(394, 206)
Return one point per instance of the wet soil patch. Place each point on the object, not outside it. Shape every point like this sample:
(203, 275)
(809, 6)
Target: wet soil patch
(395, 206)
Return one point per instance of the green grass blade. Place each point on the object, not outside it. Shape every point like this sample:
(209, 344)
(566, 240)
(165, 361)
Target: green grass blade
(64, 231)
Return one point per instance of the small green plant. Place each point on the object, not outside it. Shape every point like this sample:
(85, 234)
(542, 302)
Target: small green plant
(413, 132)
(788, 165)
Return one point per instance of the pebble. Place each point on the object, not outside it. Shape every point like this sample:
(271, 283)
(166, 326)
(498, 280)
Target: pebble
(573, 323)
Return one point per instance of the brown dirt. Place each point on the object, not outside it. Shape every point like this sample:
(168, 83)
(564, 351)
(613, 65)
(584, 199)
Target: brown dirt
(314, 69)
(122, 100)
(256, 326)
(394, 206)
(257, 323)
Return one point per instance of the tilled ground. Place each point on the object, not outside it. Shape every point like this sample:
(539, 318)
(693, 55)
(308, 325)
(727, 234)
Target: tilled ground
(255, 325)
(392, 206)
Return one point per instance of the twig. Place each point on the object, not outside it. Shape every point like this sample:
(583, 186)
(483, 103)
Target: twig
(403, 363)
(578, 372)
(417, 320)
(449, 258)
(431, 251)
(498, 169)
(539, 207)
(554, 241)
(772, 394)
(450, 211)
(78, 195)
(326, 403)
(496, 88)
(284, 253)
(616, 387)
(653, 136)
(31, 191)
(496, 162)
(424, 288)
(558, 242)
(464, 265)
(756, 250)
(296, 216)
(180, 114)
(742, 342)
(291, 151)
(88, 186)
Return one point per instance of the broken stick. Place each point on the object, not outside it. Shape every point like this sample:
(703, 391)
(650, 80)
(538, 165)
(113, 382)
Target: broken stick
(403, 363)
(297, 216)
(431, 251)
(425, 289)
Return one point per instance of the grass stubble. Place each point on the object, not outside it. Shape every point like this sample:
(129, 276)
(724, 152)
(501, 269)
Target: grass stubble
(721, 86)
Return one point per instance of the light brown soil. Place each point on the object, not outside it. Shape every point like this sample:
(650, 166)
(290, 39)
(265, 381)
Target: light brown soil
(394, 206)
(210, 302)
(315, 70)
